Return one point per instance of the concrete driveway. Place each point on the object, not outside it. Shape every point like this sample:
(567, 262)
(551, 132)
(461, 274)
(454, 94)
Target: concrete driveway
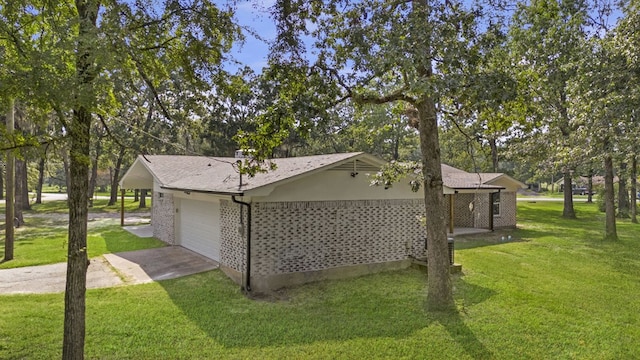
(126, 268)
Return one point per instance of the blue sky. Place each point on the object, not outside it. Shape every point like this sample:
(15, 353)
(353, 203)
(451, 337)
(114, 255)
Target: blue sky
(254, 16)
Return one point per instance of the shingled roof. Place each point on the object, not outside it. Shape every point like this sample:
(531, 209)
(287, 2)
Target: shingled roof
(219, 174)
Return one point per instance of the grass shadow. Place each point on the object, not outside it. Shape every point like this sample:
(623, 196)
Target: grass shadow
(385, 305)
(464, 337)
(325, 311)
(496, 238)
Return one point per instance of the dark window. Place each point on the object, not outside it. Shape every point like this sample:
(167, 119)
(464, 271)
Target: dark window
(495, 203)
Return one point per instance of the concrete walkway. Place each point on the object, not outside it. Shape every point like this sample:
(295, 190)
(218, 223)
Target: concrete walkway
(142, 231)
(126, 268)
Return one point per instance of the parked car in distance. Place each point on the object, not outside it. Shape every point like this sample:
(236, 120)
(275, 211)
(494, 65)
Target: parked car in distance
(580, 191)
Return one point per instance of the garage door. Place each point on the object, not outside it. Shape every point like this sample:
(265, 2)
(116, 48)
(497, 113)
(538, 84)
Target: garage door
(200, 227)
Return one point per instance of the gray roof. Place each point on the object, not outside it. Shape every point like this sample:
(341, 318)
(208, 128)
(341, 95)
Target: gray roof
(220, 175)
(459, 179)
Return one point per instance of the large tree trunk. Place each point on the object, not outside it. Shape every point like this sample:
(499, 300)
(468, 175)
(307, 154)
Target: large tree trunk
(568, 212)
(609, 206)
(113, 198)
(41, 165)
(80, 135)
(623, 195)
(634, 188)
(440, 290)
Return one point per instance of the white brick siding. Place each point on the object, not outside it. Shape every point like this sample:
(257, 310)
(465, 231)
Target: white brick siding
(233, 247)
(163, 217)
(309, 236)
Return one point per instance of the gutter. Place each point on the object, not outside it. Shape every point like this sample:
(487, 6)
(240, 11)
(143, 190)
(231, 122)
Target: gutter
(203, 191)
(247, 279)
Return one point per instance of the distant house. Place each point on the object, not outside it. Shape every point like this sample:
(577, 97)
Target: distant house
(581, 183)
(312, 218)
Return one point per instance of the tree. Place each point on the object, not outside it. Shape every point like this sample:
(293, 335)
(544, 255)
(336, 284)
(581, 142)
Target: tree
(96, 46)
(413, 53)
(602, 115)
(546, 40)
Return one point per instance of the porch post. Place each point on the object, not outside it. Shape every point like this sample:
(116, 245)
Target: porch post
(450, 213)
(122, 191)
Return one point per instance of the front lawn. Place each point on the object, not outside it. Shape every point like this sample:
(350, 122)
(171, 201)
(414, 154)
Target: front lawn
(554, 291)
(44, 241)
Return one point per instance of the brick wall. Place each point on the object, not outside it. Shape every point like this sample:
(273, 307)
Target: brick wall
(507, 216)
(162, 217)
(316, 235)
(233, 233)
(461, 214)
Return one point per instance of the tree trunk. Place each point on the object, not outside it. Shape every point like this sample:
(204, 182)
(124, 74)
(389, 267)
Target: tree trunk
(634, 189)
(136, 195)
(590, 187)
(568, 212)
(94, 165)
(623, 195)
(494, 153)
(80, 135)
(65, 164)
(143, 199)
(94, 173)
(9, 204)
(113, 198)
(609, 206)
(41, 165)
(440, 290)
(21, 191)
(396, 146)
(2, 174)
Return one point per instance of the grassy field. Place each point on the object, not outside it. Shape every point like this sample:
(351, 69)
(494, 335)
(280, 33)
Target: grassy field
(556, 291)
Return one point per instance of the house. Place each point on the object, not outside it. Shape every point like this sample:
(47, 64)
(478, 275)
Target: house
(311, 218)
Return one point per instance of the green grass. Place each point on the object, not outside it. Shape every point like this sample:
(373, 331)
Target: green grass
(556, 291)
(44, 241)
(99, 206)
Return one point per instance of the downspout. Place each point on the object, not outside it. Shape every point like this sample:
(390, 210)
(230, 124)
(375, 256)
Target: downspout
(247, 279)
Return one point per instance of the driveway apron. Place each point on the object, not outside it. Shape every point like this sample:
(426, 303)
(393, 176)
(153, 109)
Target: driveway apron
(126, 268)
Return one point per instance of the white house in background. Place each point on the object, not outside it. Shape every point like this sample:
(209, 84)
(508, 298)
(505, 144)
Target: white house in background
(312, 218)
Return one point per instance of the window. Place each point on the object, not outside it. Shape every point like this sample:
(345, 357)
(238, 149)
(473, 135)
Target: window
(495, 203)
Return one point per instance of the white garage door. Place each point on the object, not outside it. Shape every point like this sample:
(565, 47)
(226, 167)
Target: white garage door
(200, 227)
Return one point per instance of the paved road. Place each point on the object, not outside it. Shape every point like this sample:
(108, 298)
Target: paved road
(542, 198)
